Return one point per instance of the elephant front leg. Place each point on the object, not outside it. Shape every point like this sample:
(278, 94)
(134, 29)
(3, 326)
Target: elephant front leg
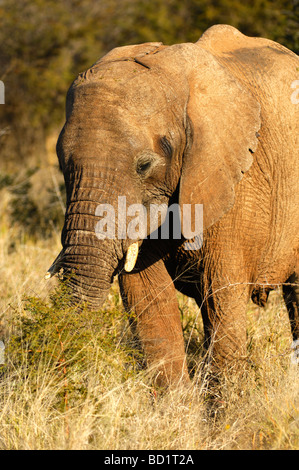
(150, 296)
(224, 317)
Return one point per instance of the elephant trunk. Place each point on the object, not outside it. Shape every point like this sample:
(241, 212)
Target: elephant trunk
(88, 262)
(88, 270)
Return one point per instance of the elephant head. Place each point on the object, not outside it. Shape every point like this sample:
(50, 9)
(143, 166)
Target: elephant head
(153, 124)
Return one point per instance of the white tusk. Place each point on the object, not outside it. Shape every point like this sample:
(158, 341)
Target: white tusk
(131, 257)
(48, 275)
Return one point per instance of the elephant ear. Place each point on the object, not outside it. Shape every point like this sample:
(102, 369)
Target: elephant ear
(224, 119)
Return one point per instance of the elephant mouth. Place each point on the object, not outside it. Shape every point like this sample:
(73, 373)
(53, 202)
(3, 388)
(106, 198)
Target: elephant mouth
(89, 284)
(130, 261)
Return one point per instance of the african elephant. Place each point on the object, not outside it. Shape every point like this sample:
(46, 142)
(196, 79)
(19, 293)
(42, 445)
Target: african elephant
(210, 123)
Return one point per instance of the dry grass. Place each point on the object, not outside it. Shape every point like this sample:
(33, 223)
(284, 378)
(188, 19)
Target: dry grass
(117, 410)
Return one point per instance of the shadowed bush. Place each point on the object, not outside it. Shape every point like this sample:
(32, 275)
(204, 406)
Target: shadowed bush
(54, 337)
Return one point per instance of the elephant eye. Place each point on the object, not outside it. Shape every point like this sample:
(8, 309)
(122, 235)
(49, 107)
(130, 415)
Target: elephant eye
(149, 163)
(143, 166)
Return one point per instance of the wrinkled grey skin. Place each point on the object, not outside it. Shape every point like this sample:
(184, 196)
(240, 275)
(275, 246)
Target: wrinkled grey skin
(210, 123)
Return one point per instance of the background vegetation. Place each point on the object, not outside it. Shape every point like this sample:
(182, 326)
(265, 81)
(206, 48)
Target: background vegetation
(45, 44)
(73, 381)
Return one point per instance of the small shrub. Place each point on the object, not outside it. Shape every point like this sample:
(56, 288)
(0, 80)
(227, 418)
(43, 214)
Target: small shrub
(69, 343)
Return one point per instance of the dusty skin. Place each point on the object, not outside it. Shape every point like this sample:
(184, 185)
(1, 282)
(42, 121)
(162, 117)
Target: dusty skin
(209, 123)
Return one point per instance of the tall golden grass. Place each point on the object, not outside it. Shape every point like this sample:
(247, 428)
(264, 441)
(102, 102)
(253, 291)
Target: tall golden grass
(116, 407)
